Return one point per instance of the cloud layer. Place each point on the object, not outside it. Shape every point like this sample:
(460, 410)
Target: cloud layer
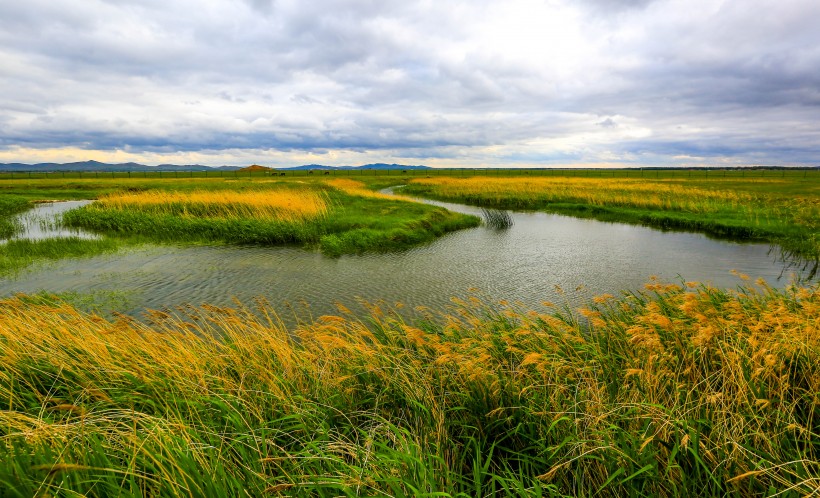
(451, 83)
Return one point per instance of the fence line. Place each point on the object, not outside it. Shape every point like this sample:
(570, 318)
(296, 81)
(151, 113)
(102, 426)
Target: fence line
(671, 173)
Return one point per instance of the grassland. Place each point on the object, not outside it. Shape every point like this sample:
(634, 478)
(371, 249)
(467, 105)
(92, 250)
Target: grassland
(776, 206)
(677, 390)
(672, 391)
(338, 216)
(337, 219)
(8, 208)
(784, 210)
(285, 205)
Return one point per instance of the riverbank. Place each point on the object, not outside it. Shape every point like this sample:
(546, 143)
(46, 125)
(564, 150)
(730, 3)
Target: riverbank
(672, 391)
(784, 211)
(351, 218)
(9, 207)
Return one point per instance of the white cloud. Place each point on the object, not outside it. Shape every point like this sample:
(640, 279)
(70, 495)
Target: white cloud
(472, 82)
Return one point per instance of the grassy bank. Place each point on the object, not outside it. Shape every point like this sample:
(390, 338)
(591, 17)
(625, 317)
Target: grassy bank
(9, 207)
(669, 392)
(337, 217)
(785, 211)
(18, 254)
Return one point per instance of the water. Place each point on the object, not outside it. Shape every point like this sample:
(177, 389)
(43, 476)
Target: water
(521, 263)
(42, 222)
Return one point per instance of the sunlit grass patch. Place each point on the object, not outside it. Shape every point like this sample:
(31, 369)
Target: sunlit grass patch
(286, 205)
(339, 217)
(359, 189)
(622, 192)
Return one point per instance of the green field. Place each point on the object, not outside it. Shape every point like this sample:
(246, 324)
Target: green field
(676, 390)
(777, 206)
(356, 220)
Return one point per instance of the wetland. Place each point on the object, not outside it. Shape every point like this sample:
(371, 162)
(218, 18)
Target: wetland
(453, 335)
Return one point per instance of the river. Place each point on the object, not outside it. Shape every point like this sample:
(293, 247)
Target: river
(523, 263)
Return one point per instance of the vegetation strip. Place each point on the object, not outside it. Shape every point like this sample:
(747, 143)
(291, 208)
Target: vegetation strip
(672, 391)
(338, 219)
(338, 216)
(10, 206)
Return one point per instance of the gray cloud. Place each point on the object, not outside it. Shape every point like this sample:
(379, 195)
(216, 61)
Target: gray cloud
(607, 7)
(578, 82)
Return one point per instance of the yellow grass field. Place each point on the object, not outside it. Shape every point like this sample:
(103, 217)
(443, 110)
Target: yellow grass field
(623, 192)
(285, 205)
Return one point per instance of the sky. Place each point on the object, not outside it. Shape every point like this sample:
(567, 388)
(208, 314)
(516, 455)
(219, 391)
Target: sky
(513, 83)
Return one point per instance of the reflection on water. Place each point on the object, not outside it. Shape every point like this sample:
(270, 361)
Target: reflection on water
(523, 262)
(43, 222)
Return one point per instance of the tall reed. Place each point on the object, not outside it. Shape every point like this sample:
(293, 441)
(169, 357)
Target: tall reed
(497, 218)
(672, 391)
(281, 205)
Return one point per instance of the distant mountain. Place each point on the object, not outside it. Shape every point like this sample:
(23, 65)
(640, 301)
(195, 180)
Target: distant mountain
(98, 166)
(379, 166)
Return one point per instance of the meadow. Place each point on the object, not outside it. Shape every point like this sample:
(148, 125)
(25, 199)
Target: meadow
(337, 216)
(774, 206)
(677, 390)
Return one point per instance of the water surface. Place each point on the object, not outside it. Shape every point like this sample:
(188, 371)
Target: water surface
(42, 222)
(522, 263)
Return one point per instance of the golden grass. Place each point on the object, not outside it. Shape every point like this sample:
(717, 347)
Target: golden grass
(359, 189)
(728, 376)
(621, 192)
(280, 205)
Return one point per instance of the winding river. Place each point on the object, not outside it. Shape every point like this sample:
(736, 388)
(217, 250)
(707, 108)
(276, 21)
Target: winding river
(523, 263)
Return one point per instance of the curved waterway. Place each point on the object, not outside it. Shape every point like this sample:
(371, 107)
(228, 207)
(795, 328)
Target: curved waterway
(41, 222)
(524, 263)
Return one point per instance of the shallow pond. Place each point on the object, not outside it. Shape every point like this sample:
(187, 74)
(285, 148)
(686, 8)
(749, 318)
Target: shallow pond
(521, 263)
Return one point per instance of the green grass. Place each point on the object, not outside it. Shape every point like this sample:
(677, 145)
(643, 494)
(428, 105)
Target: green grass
(9, 207)
(17, 254)
(673, 391)
(359, 225)
(354, 224)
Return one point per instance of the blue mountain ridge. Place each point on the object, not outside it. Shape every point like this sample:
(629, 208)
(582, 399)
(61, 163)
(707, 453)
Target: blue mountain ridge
(99, 166)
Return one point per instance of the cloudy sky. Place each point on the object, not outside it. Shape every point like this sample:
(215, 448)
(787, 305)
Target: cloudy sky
(437, 82)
